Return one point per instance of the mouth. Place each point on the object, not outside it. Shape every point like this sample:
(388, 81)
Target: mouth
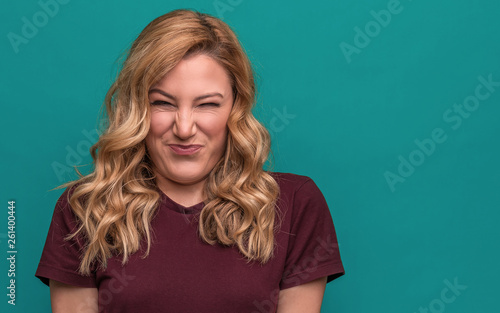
(185, 149)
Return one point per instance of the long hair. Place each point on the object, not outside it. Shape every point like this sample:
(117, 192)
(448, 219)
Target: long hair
(116, 202)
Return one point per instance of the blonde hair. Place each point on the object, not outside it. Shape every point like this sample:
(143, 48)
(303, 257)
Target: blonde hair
(117, 201)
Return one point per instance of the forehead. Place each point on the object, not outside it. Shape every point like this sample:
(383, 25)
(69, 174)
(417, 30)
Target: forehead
(196, 74)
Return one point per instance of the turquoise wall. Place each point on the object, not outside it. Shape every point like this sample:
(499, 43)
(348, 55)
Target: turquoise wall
(392, 107)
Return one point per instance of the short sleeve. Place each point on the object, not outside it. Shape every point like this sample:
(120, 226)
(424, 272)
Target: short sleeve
(313, 251)
(61, 258)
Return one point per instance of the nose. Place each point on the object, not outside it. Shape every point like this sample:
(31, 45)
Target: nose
(184, 124)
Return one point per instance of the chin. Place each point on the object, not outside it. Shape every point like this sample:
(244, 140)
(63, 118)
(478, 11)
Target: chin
(188, 177)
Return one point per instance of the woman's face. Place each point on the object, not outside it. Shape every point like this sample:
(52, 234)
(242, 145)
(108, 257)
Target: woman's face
(190, 107)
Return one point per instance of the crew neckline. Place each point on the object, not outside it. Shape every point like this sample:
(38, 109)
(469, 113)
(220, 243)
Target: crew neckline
(174, 206)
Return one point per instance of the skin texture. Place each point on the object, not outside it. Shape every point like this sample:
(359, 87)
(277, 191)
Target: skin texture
(189, 106)
(71, 299)
(180, 117)
(305, 298)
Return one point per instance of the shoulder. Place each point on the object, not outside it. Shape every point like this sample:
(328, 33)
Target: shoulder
(298, 196)
(289, 180)
(63, 215)
(62, 203)
(307, 233)
(291, 184)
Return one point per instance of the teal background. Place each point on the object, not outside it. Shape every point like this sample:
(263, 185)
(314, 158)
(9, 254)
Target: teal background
(345, 124)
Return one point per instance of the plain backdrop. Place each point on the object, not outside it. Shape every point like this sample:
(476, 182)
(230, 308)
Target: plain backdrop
(392, 107)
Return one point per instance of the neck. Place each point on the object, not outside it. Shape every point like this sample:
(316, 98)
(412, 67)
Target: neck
(185, 194)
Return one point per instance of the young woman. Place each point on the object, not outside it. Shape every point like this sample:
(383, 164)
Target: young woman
(178, 214)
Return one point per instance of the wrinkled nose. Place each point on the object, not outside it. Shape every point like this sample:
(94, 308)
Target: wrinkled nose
(184, 125)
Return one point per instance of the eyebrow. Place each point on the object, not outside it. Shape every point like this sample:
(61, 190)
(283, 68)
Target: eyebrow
(166, 94)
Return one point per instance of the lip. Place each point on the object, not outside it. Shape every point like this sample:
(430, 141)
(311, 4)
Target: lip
(185, 149)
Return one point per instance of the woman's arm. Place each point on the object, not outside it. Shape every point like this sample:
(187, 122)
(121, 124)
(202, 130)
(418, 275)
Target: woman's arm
(305, 298)
(71, 299)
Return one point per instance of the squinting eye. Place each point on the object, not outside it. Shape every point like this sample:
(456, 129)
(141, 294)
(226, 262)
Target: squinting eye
(159, 102)
(210, 104)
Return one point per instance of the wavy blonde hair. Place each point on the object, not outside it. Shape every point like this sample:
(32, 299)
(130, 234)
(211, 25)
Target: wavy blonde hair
(117, 201)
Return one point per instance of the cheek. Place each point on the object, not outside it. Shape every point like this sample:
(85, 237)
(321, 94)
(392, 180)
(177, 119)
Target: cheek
(215, 128)
(160, 123)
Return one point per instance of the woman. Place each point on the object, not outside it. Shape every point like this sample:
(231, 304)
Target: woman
(178, 214)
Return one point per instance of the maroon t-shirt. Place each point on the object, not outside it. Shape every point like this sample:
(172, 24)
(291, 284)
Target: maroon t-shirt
(184, 274)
